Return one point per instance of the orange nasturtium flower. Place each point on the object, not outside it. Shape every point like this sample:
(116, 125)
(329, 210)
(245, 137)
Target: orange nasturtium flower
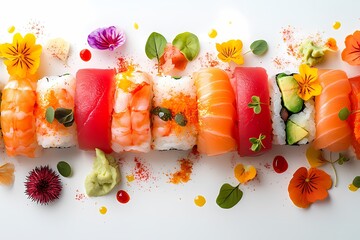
(7, 174)
(230, 51)
(351, 53)
(22, 56)
(308, 82)
(331, 44)
(244, 173)
(308, 186)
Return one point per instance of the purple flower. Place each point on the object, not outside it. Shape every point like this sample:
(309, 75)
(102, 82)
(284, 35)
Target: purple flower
(106, 38)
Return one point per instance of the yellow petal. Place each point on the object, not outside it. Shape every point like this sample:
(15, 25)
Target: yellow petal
(239, 60)
(298, 78)
(314, 157)
(244, 173)
(316, 89)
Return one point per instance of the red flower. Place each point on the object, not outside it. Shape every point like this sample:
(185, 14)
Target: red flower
(307, 187)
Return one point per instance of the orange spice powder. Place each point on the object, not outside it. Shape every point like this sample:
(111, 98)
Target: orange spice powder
(183, 175)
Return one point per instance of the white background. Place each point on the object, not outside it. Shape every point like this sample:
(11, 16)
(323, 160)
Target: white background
(158, 209)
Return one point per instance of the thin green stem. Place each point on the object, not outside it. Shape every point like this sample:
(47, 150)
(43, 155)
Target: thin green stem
(247, 52)
(335, 172)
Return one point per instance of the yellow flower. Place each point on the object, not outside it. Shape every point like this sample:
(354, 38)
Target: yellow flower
(230, 51)
(22, 57)
(244, 173)
(308, 82)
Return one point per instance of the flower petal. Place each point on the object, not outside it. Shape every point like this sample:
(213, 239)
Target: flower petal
(295, 189)
(106, 38)
(314, 157)
(321, 181)
(230, 51)
(351, 53)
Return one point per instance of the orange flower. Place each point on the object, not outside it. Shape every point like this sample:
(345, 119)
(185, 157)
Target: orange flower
(307, 187)
(315, 157)
(351, 53)
(244, 173)
(331, 44)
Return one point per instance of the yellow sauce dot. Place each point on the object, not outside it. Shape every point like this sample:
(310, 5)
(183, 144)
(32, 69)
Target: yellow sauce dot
(103, 210)
(212, 33)
(130, 178)
(11, 29)
(136, 26)
(336, 25)
(353, 188)
(199, 201)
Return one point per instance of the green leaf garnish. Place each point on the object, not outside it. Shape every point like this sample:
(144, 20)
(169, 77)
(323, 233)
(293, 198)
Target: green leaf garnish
(255, 104)
(342, 159)
(356, 181)
(228, 196)
(259, 47)
(155, 46)
(49, 114)
(64, 116)
(256, 143)
(188, 43)
(163, 113)
(180, 119)
(344, 113)
(64, 168)
(176, 78)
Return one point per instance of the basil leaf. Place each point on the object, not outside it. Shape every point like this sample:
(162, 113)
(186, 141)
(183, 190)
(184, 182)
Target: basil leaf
(180, 119)
(49, 114)
(259, 47)
(155, 46)
(228, 196)
(188, 43)
(64, 168)
(344, 113)
(163, 113)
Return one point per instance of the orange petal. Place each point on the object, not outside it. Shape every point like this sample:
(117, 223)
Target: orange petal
(314, 157)
(244, 173)
(296, 194)
(351, 53)
(7, 173)
(321, 182)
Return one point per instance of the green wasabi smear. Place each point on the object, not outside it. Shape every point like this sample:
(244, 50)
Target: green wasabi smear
(104, 176)
(312, 54)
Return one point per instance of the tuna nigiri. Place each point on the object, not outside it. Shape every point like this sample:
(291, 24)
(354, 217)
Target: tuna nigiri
(216, 107)
(253, 110)
(332, 133)
(94, 94)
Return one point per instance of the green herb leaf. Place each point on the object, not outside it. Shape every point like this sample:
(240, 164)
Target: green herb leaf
(176, 78)
(259, 47)
(49, 114)
(64, 169)
(256, 143)
(155, 46)
(255, 104)
(64, 116)
(344, 113)
(180, 119)
(356, 181)
(163, 113)
(188, 43)
(342, 159)
(228, 196)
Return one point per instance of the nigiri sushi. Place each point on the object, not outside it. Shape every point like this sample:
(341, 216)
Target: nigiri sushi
(94, 92)
(130, 126)
(332, 133)
(254, 129)
(216, 107)
(354, 118)
(174, 113)
(17, 118)
(55, 93)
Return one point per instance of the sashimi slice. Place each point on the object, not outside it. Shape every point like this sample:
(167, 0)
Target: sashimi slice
(354, 118)
(216, 107)
(94, 94)
(332, 133)
(252, 82)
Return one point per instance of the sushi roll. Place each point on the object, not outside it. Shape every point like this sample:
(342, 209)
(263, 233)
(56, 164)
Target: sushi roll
(293, 119)
(17, 119)
(174, 113)
(94, 93)
(54, 111)
(217, 112)
(254, 129)
(130, 126)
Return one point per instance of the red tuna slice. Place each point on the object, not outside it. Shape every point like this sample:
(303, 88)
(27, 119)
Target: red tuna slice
(252, 82)
(94, 94)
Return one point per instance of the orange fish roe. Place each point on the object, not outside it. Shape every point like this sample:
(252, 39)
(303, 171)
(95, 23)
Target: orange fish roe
(183, 175)
(184, 104)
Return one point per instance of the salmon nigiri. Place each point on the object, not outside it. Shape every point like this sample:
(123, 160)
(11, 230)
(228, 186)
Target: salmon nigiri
(332, 133)
(354, 118)
(216, 107)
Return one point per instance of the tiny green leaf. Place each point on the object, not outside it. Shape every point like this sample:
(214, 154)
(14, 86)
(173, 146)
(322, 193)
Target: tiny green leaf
(259, 47)
(228, 196)
(356, 181)
(163, 113)
(64, 169)
(176, 77)
(255, 104)
(256, 143)
(188, 43)
(180, 119)
(49, 114)
(64, 116)
(342, 159)
(155, 46)
(344, 113)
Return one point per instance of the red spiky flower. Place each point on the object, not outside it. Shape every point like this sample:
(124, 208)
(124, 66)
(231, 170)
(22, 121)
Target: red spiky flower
(43, 185)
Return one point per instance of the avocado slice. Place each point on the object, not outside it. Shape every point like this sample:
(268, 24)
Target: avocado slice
(294, 132)
(289, 93)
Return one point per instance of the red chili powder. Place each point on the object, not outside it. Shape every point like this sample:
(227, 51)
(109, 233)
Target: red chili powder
(36, 28)
(287, 33)
(79, 196)
(141, 171)
(122, 64)
(183, 175)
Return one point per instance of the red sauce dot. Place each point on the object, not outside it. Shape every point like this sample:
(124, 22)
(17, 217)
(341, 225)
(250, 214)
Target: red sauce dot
(280, 164)
(85, 55)
(122, 196)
